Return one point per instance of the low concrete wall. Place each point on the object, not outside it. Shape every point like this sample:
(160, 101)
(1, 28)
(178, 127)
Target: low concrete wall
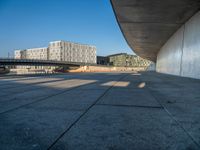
(107, 69)
(181, 53)
(30, 71)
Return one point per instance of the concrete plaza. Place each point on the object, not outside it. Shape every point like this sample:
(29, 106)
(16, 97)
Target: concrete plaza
(98, 111)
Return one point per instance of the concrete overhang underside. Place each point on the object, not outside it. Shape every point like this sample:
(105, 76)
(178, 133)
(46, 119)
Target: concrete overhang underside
(148, 24)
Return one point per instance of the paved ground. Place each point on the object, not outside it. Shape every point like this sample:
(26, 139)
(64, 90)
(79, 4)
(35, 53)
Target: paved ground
(90, 111)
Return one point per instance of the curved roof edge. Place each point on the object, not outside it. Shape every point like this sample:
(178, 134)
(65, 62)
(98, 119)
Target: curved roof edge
(148, 24)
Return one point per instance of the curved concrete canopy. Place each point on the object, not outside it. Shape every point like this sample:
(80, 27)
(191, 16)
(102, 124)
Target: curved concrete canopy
(148, 24)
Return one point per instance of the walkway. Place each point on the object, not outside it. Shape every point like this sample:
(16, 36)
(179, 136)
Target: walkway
(98, 111)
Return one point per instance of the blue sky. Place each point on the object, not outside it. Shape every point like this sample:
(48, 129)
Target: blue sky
(34, 23)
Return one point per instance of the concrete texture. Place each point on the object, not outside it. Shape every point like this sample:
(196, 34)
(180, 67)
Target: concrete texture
(108, 68)
(191, 48)
(180, 54)
(100, 111)
(170, 55)
(148, 24)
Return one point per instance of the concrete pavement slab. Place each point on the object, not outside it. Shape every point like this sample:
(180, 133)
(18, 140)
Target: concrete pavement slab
(36, 126)
(134, 97)
(110, 127)
(32, 128)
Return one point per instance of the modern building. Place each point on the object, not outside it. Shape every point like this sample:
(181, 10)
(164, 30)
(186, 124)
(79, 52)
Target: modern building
(123, 60)
(126, 60)
(72, 52)
(17, 54)
(33, 53)
(102, 60)
(20, 54)
(37, 53)
(60, 51)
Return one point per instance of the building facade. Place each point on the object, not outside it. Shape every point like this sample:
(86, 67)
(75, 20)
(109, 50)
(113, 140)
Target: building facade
(123, 60)
(61, 51)
(37, 53)
(102, 60)
(72, 52)
(17, 54)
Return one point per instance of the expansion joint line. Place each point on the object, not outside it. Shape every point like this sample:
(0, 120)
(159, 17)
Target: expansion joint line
(173, 118)
(42, 99)
(86, 111)
(182, 47)
(139, 106)
(40, 87)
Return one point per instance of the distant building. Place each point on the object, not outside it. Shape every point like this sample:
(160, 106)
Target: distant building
(72, 52)
(18, 54)
(123, 60)
(37, 53)
(60, 51)
(102, 60)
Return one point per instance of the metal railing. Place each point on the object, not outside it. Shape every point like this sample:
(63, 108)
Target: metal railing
(15, 61)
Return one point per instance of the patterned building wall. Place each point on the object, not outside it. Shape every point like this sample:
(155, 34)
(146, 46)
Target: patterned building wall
(125, 60)
(37, 53)
(61, 51)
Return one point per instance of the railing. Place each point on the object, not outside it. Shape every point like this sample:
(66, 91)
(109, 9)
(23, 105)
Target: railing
(39, 61)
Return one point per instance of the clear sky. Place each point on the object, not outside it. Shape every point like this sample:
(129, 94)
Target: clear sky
(34, 23)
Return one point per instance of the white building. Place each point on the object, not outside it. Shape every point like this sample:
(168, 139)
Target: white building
(72, 52)
(17, 54)
(60, 51)
(37, 53)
